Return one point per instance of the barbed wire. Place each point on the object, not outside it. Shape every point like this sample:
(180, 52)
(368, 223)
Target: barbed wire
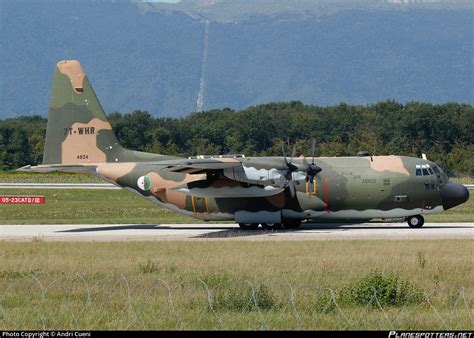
(113, 301)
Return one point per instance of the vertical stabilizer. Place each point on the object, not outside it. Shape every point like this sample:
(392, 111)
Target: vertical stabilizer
(78, 130)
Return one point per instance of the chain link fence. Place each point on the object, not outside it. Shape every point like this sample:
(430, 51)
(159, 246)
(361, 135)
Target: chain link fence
(146, 302)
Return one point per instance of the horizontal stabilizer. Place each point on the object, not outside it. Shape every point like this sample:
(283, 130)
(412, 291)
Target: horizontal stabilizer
(46, 168)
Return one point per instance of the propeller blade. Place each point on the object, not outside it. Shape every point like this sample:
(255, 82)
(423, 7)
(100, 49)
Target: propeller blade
(290, 168)
(312, 169)
(292, 187)
(283, 151)
(293, 153)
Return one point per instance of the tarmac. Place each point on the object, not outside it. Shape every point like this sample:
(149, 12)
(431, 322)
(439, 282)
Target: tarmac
(160, 232)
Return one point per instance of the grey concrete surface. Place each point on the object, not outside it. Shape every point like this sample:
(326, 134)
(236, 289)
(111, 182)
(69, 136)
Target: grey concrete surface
(157, 232)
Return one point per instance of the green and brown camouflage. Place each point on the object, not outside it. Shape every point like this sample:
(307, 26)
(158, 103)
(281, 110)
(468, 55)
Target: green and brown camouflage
(249, 190)
(78, 131)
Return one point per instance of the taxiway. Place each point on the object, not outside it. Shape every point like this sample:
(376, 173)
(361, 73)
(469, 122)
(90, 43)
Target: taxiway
(157, 232)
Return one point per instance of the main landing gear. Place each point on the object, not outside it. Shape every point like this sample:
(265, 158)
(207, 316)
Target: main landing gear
(416, 221)
(271, 226)
(287, 224)
(248, 226)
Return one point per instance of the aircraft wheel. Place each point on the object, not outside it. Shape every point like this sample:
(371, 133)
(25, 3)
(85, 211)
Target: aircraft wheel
(415, 221)
(248, 226)
(292, 223)
(271, 226)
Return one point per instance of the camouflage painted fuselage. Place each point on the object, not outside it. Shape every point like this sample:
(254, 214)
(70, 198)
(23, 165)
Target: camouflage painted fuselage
(79, 138)
(346, 188)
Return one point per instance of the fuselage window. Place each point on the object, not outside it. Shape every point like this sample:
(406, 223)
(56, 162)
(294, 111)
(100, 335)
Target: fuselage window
(436, 170)
(425, 172)
(431, 171)
(429, 185)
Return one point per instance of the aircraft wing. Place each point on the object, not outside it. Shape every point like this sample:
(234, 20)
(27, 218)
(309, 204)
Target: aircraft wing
(233, 169)
(190, 166)
(195, 166)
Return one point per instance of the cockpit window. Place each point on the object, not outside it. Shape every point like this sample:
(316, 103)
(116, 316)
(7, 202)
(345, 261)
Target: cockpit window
(438, 170)
(423, 170)
(439, 173)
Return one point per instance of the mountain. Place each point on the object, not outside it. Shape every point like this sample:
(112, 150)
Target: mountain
(172, 59)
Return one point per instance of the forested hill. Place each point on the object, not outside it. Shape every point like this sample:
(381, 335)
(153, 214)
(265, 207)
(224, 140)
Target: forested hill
(444, 132)
(172, 62)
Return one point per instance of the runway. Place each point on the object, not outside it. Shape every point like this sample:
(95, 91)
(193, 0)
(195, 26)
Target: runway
(160, 232)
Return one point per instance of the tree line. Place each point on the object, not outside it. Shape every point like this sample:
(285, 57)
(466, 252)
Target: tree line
(444, 132)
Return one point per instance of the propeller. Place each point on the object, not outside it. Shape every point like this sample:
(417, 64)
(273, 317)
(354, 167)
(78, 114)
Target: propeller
(312, 169)
(289, 170)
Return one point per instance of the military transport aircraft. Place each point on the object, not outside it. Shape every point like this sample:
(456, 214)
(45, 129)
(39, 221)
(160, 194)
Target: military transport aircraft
(273, 192)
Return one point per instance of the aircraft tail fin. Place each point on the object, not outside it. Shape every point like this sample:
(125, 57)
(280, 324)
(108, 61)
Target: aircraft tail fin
(78, 131)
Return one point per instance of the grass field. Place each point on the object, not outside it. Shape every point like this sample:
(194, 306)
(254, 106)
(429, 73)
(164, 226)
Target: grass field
(120, 206)
(86, 207)
(422, 285)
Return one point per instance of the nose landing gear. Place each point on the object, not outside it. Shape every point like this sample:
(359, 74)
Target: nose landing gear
(416, 221)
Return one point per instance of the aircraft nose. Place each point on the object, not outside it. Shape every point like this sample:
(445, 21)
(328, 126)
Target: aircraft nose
(453, 194)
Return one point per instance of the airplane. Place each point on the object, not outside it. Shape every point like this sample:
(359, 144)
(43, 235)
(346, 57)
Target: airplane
(271, 192)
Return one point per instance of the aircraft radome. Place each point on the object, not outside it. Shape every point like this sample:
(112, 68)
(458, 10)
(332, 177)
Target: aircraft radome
(270, 191)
